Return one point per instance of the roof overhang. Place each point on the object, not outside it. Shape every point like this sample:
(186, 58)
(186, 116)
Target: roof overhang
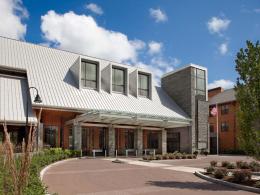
(112, 117)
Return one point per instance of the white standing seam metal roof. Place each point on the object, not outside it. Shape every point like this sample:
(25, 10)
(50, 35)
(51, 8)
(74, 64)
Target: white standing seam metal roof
(13, 94)
(48, 70)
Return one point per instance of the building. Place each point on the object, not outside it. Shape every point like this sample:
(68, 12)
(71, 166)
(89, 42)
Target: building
(95, 104)
(227, 106)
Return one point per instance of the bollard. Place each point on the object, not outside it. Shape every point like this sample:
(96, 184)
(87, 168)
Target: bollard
(94, 154)
(145, 152)
(126, 153)
(80, 153)
(153, 152)
(116, 153)
(136, 153)
(105, 153)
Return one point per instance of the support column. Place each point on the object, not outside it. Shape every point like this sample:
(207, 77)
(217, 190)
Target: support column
(111, 140)
(77, 137)
(39, 141)
(164, 141)
(139, 141)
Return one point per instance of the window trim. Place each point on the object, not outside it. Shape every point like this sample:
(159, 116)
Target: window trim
(125, 79)
(149, 84)
(97, 74)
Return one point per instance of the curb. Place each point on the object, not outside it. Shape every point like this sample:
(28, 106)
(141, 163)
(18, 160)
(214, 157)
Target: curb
(229, 184)
(43, 171)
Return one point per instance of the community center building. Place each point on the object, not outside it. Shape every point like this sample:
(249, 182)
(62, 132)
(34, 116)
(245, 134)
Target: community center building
(92, 104)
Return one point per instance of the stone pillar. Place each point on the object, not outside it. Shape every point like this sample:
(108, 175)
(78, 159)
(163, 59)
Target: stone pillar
(111, 140)
(77, 136)
(139, 141)
(164, 141)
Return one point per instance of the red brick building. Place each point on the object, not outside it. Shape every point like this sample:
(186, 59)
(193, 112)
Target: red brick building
(227, 120)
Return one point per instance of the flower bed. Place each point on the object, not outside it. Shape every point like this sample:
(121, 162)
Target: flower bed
(239, 173)
(39, 160)
(175, 155)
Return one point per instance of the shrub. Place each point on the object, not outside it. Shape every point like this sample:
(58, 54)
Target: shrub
(213, 163)
(194, 156)
(231, 166)
(158, 157)
(254, 166)
(238, 163)
(220, 173)
(206, 153)
(145, 158)
(189, 156)
(165, 156)
(178, 156)
(210, 169)
(257, 184)
(244, 165)
(184, 156)
(225, 163)
(196, 153)
(240, 176)
(171, 156)
(151, 157)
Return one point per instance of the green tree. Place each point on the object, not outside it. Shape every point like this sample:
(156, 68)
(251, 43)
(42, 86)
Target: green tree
(248, 97)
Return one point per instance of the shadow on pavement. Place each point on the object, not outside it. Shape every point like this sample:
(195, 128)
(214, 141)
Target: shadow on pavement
(191, 185)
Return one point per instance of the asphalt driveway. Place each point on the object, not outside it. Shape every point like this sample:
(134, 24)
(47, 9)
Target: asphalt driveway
(99, 176)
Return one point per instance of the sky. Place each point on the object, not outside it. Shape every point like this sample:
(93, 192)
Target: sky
(159, 35)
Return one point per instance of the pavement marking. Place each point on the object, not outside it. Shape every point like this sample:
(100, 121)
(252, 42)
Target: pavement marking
(186, 169)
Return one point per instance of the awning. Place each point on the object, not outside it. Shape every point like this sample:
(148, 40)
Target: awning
(109, 117)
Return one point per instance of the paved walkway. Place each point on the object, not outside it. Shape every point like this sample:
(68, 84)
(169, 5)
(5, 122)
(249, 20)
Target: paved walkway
(99, 176)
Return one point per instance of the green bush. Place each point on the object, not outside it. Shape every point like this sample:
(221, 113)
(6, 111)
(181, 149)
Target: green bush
(189, 156)
(257, 184)
(220, 173)
(254, 166)
(213, 163)
(210, 169)
(196, 153)
(225, 163)
(165, 156)
(178, 156)
(231, 166)
(244, 165)
(240, 176)
(194, 156)
(39, 160)
(158, 157)
(171, 156)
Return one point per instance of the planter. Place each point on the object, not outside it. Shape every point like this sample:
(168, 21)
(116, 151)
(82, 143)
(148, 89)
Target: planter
(226, 183)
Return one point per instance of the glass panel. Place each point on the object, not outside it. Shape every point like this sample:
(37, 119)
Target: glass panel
(152, 140)
(91, 71)
(89, 74)
(201, 84)
(118, 80)
(50, 136)
(83, 70)
(129, 139)
(200, 73)
(143, 86)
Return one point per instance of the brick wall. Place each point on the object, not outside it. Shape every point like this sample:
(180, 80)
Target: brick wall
(227, 139)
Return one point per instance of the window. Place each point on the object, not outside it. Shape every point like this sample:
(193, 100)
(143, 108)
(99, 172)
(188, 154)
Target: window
(224, 126)
(50, 136)
(200, 82)
(211, 128)
(152, 140)
(118, 80)
(89, 74)
(143, 85)
(129, 139)
(224, 109)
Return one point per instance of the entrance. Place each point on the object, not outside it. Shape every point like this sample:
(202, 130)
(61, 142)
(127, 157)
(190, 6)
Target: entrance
(173, 141)
(124, 141)
(213, 145)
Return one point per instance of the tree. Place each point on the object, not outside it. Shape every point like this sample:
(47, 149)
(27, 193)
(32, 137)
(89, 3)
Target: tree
(248, 96)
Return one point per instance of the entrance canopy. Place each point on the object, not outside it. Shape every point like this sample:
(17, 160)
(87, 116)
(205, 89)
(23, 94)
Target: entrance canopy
(124, 118)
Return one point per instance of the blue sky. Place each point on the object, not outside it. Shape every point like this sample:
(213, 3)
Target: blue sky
(158, 35)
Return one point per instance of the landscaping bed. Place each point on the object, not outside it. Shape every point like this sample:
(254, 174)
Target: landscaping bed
(242, 173)
(39, 161)
(175, 155)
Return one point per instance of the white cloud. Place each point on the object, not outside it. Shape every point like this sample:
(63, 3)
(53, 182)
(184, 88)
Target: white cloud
(257, 10)
(158, 15)
(62, 31)
(154, 47)
(226, 84)
(223, 48)
(94, 8)
(218, 25)
(11, 13)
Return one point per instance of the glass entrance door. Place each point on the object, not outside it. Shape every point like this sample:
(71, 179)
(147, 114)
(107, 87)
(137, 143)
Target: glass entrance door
(173, 141)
